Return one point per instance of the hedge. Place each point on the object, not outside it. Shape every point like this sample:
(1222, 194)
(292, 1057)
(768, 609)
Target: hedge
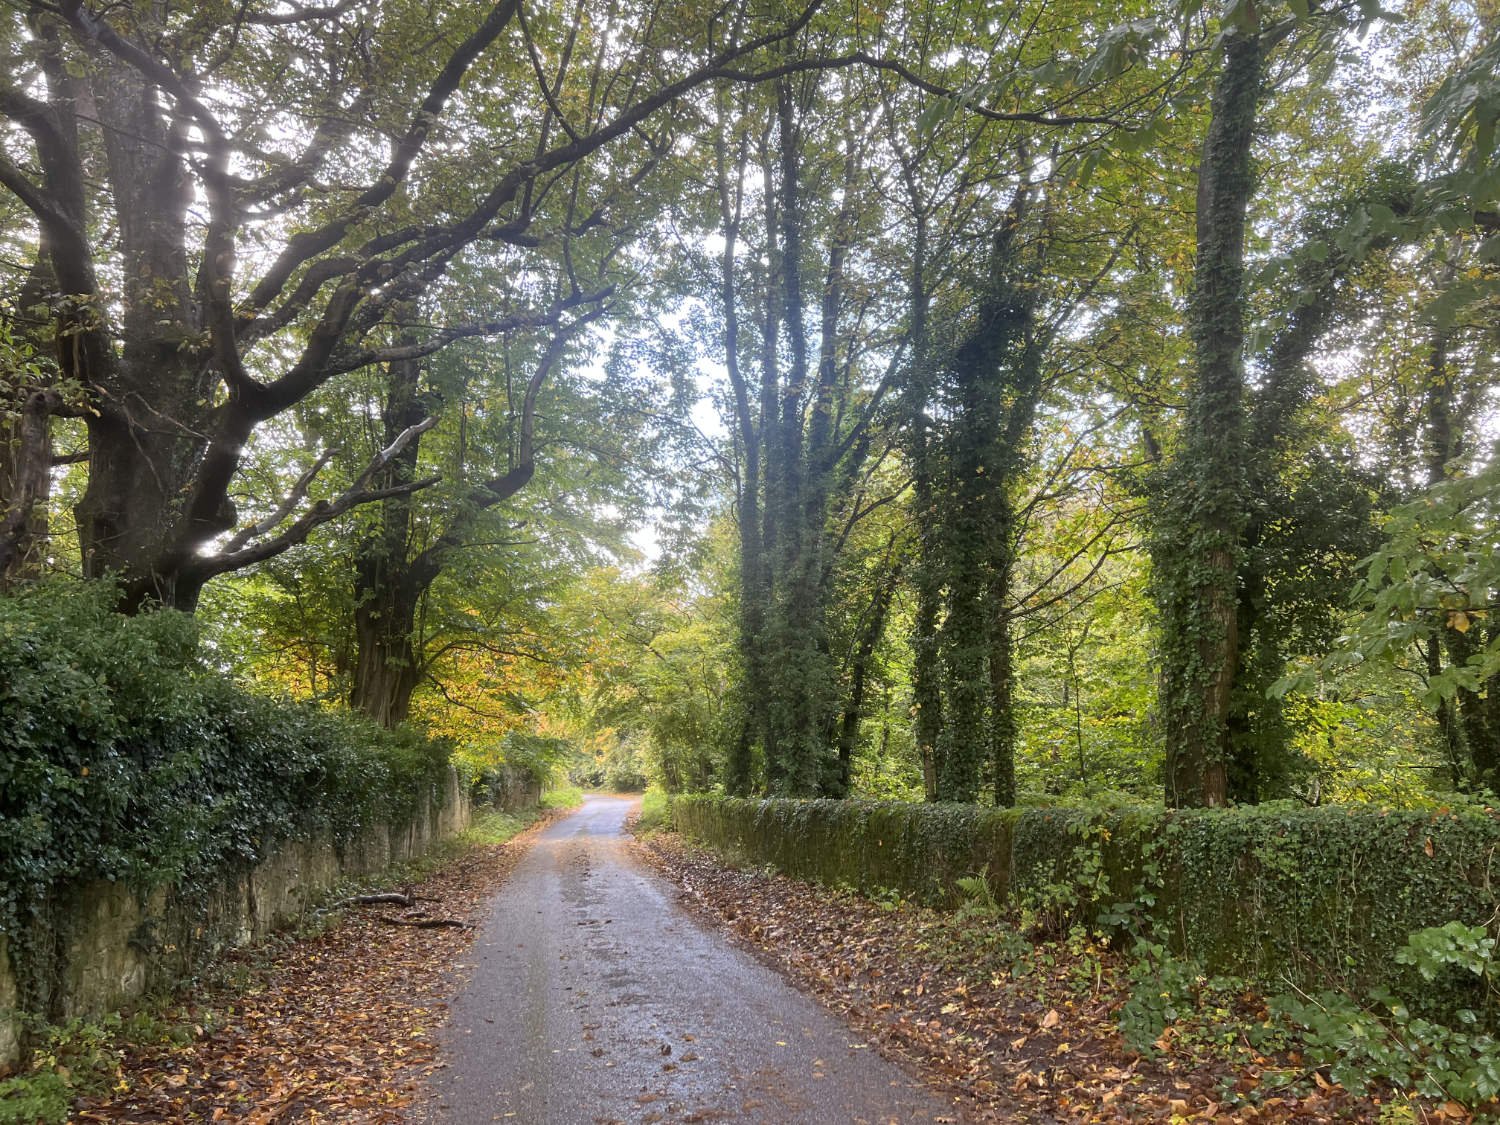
(124, 757)
(1321, 896)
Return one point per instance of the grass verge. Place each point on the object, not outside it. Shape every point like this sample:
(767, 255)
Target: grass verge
(563, 797)
(656, 811)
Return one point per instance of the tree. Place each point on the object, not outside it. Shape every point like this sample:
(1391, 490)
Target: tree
(996, 380)
(1201, 518)
(262, 188)
(802, 404)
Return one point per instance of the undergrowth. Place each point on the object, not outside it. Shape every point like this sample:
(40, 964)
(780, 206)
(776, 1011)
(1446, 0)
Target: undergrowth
(1327, 949)
(562, 797)
(1171, 1006)
(492, 827)
(83, 1058)
(656, 811)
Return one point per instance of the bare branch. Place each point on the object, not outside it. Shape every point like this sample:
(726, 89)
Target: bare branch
(285, 508)
(300, 13)
(324, 510)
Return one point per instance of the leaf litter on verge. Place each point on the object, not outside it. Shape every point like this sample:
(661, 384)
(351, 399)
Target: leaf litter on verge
(323, 1030)
(1004, 1047)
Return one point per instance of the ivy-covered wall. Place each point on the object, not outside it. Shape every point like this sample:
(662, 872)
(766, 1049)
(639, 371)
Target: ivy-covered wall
(1325, 896)
(152, 811)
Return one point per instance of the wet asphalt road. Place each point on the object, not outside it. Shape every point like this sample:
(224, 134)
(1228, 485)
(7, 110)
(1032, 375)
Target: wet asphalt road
(593, 998)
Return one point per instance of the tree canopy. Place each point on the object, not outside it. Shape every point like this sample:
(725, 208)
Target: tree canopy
(927, 401)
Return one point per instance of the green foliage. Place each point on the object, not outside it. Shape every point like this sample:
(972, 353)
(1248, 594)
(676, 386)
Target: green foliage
(562, 797)
(656, 810)
(979, 897)
(1399, 1041)
(126, 759)
(1437, 571)
(491, 826)
(76, 1058)
(541, 756)
(1436, 948)
(1163, 989)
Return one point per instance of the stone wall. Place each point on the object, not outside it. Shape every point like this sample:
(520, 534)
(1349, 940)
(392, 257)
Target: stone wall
(508, 788)
(122, 944)
(1324, 897)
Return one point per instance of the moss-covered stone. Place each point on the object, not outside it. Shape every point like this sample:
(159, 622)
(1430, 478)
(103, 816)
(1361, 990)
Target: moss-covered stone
(1322, 896)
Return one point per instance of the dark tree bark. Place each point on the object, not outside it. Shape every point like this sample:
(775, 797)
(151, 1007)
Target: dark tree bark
(25, 477)
(800, 442)
(387, 590)
(391, 579)
(730, 169)
(927, 688)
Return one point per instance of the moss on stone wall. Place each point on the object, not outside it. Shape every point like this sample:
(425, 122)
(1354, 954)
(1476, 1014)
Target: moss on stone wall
(127, 759)
(1322, 896)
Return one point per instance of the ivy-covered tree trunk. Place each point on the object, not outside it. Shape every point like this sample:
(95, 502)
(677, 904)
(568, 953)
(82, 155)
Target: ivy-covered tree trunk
(801, 678)
(996, 375)
(1004, 727)
(739, 768)
(25, 477)
(870, 633)
(28, 402)
(1200, 514)
(804, 460)
(926, 675)
(964, 637)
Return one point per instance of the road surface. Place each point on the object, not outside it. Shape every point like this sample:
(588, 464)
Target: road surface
(592, 998)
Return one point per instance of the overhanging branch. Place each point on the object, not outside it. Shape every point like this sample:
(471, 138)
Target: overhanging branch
(235, 557)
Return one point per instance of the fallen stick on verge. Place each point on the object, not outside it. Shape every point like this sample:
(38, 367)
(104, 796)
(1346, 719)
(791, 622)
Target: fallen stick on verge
(428, 923)
(391, 898)
(407, 898)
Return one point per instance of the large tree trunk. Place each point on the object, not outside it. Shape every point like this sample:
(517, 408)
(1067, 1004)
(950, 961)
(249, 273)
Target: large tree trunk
(188, 354)
(1196, 548)
(803, 458)
(387, 589)
(25, 476)
(730, 170)
(387, 670)
(147, 441)
(26, 432)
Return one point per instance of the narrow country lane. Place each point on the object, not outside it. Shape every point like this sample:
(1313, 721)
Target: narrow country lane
(593, 998)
